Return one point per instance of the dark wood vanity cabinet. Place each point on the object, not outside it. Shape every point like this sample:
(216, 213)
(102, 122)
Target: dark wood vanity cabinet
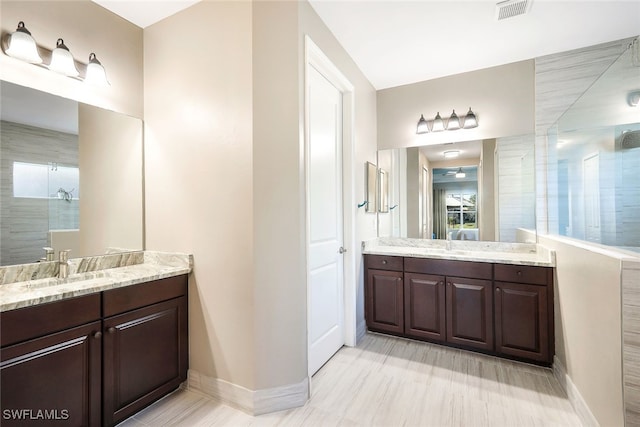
(384, 294)
(524, 312)
(499, 309)
(145, 352)
(93, 360)
(51, 371)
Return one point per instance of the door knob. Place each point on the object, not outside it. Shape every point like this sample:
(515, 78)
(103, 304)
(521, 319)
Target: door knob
(342, 250)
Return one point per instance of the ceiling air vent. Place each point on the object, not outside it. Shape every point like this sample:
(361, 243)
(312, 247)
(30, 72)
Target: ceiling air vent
(511, 8)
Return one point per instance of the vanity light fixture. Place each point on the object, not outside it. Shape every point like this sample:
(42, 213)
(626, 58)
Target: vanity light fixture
(95, 72)
(22, 46)
(438, 124)
(423, 126)
(460, 173)
(454, 122)
(634, 99)
(451, 154)
(470, 120)
(62, 61)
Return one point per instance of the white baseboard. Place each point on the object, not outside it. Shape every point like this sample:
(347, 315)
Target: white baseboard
(253, 402)
(576, 399)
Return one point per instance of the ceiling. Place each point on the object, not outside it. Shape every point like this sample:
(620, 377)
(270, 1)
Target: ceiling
(467, 149)
(397, 42)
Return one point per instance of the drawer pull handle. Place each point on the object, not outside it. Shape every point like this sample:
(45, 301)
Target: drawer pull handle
(111, 330)
(384, 261)
(97, 335)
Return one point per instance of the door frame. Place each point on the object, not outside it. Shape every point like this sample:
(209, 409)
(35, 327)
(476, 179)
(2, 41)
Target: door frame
(314, 57)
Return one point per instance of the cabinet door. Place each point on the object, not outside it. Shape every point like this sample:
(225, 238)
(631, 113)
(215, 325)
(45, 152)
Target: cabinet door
(470, 312)
(55, 379)
(521, 321)
(424, 306)
(384, 301)
(145, 357)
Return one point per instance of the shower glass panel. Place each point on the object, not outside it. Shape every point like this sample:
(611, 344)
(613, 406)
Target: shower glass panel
(593, 161)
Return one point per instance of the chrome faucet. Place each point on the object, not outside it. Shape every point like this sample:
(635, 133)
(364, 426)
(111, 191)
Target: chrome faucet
(64, 264)
(48, 254)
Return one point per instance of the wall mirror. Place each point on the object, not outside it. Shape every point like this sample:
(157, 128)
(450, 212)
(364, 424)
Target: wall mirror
(371, 180)
(471, 190)
(70, 177)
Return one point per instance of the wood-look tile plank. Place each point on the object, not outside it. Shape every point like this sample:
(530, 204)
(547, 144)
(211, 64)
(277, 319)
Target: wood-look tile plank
(389, 381)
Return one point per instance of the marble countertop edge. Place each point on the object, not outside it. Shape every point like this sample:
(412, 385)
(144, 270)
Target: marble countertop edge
(541, 258)
(30, 293)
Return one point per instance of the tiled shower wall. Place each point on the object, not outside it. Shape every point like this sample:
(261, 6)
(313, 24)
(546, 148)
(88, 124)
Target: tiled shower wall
(560, 80)
(24, 222)
(516, 191)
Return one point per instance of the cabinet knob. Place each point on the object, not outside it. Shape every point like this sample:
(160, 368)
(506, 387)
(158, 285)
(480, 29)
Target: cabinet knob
(384, 261)
(519, 273)
(497, 289)
(448, 283)
(111, 330)
(97, 335)
(399, 279)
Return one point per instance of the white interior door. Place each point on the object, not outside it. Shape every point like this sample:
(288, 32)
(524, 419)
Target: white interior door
(326, 266)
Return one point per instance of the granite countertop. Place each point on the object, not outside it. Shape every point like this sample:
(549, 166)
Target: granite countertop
(493, 252)
(152, 266)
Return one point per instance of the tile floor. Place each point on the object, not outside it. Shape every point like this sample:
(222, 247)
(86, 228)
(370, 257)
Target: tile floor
(388, 381)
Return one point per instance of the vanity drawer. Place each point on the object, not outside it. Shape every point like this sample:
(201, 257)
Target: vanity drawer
(384, 262)
(522, 274)
(32, 322)
(128, 298)
(445, 267)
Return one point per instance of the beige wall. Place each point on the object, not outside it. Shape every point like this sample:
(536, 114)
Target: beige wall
(85, 28)
(487, 199)
(502, 97)
(587, 324)
(198, 172)
(279, 288)
(110, 158)
(225, 178)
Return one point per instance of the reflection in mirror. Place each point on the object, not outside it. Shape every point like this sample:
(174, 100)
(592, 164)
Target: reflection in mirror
(372, 172)
(484, 190)
(594, 151)
(383, 194)
(41, 169)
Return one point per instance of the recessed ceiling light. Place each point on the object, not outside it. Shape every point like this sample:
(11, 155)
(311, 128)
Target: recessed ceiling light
(451, 154)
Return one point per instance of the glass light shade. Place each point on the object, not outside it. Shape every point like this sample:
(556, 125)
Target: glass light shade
(634, 99)
(23, 47)
(454, 122)
(423, 127)
(460, 173)
(452, 154)
(470, 120)
(438, 124)
(95, 72)
(62, 61)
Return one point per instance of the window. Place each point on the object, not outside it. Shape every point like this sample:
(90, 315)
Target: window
(45, 181)
(461, 211)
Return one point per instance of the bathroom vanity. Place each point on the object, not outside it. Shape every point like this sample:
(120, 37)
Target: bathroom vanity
(490, 297)
(95, 348)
